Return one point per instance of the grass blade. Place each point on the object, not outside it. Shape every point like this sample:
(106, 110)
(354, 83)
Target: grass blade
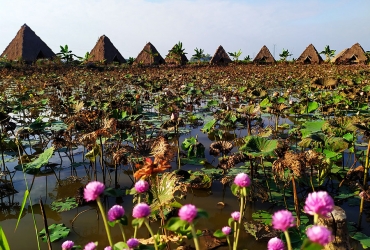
(26, 193)
(3, 241)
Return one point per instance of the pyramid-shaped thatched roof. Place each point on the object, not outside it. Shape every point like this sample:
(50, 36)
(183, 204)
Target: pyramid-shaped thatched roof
(105, 50)
(264, 56)
(173, 59)
(27, 46)
(149, 55)
(310, 56)
(355, 54)
(220, 56)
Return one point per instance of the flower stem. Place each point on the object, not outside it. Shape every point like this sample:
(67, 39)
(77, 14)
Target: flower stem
(239, 222)
(286, 233)
(136, 227)
(122, 231)
(228, 241)
(195, 237)
(100, 205)
(315, 219)
(151, 233)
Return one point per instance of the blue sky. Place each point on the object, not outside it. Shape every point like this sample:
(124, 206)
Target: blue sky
(206, 24)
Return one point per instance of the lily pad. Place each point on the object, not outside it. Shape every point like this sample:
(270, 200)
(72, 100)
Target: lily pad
(56, 232)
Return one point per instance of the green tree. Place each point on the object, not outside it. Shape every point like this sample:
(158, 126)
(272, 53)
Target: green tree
(130, 60)
(199, 54)
(177, 52)
(284, 55)
(247, 59)
(329, 53)
(66, 54)
(235, 55)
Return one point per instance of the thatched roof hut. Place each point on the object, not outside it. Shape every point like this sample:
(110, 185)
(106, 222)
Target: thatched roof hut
(310, 56)
(27, 46)
(104, 50)
(149, 56)
(220, 57)
(264, 56)
(353, 55)
(174, 59)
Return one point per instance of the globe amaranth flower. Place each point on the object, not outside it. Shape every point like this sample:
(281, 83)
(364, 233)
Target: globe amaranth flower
(242, 180)
(226, 230)
(188, 213)
(141, 210)
(132, 243)
(115, 213)
(319, 234)
(90, 246)
(108, 248)
(319, 203)
(275, 244)
(67, 245)
(141, 186)
(235, 215)
(93, 190)
(282, 220)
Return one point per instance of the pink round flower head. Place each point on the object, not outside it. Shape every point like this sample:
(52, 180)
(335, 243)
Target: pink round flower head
(115, 213)
(141, 210)
(319, 203)
(275, 244)
(319, 234)
(282, 220)
(108, 248)
(93, 190)
(188, 213)
(90, 246)
(141, 186)
(226, 230)
(132, 243)
(235, 215)
(67, 245)
(242, 180)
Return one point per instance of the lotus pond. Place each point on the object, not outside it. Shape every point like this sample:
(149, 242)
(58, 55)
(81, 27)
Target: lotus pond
(188, 131)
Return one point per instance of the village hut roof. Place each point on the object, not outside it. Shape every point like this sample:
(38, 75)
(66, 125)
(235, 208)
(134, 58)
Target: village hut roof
(310, 56)
(220, 56)
(27, 46)
(264, 56)
(173, 59)
(353, 55)
(105, 50)
(145, 56)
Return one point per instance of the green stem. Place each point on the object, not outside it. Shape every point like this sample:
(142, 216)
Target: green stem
(100, 205)
(228, 241)
(136, 227)
(286, 233)
(315, 219)
(239, 222)
(151, 233)
(122, 231)
(194, 233)
(235, 227)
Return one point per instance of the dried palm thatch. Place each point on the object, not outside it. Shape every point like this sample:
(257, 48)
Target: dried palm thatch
(149, 56)
(172, 58)
(310, 56)
(264, 56)
(27, 46)
(353, 55)
(220, 57)
(104, 50)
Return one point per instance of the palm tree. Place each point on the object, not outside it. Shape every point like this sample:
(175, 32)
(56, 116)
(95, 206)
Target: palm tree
(329, 53)
(247, 59)
(199, 54)
(177, 52)
(235, 55)
(284, 55)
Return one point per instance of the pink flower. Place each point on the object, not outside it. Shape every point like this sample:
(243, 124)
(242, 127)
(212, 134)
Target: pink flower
(226, 230)
(90, 246)
(282, 220)
(275, 244)
(115, 213)
(132, 243)
(319, 234)
(319, 203)
(67, 245)
(235, 215)
(141, 210)
(93, 190)
(108, 248)
(242, 180)
(141, 186)
(188, 213)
